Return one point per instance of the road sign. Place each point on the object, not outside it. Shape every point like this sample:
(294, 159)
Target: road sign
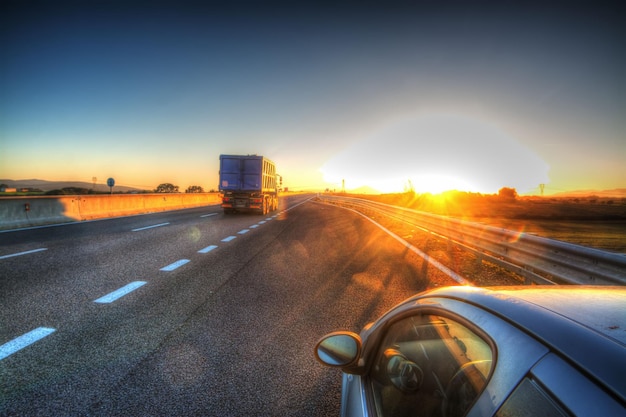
(110, 183)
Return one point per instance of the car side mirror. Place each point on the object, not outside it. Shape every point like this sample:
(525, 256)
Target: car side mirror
(338, 349)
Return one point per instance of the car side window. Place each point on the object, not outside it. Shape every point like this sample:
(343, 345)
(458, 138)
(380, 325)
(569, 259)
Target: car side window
(529, 399)
(429, 366)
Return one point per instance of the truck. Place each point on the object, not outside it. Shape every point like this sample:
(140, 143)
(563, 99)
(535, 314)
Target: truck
(248, 183)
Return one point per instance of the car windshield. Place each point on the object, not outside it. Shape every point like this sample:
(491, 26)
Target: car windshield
(429, 365)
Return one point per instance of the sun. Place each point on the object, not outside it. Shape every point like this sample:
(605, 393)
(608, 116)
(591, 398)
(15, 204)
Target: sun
(438, 183)
(433, 183)
(433, 153)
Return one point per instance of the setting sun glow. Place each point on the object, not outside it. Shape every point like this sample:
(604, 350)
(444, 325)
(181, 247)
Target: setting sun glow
(436, 153)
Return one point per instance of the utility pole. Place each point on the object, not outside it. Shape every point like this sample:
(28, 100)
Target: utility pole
(541, 187)
(410, 189)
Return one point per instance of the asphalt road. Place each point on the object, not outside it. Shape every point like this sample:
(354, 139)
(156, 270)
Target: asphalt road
(191, 312)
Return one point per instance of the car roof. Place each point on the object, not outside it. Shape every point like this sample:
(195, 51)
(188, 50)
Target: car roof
(584, 324)
(602, 309)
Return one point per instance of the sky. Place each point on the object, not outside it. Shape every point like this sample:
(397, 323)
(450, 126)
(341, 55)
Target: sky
(432, 95)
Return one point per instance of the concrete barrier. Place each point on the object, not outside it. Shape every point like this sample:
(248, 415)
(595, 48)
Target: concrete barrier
(18, 212)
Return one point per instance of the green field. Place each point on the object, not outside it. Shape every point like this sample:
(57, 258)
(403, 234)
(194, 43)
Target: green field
(600, 234)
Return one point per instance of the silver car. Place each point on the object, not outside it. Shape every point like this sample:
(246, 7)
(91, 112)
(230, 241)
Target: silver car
(508, 351)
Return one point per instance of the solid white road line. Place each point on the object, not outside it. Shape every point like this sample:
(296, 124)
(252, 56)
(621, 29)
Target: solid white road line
(21, 342)
(150, 227)
(23, 253)
(175, 265)
(458, 278)
(208, 215)
(207, 249)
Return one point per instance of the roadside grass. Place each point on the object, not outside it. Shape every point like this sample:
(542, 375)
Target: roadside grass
(598, 222)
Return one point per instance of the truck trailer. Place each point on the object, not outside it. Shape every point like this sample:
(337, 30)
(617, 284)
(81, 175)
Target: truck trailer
(248, 183)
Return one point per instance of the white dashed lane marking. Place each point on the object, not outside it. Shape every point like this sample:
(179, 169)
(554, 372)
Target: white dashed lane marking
(150, 227)
(207, 249)
(175, 265)
(119, 293)
(39, 333)
(21, 342)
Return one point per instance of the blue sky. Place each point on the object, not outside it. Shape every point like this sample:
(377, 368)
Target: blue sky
(443, 94)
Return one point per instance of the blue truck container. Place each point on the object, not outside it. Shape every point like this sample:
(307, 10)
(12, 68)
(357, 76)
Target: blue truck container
(248, 183)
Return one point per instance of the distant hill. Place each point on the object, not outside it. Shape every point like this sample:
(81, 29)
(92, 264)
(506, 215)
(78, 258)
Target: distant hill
(57, 185)
(616, 192)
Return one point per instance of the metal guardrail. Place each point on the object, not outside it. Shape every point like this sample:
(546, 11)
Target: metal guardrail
(540, 260)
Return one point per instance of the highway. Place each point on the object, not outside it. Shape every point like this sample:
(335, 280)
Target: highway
(190, 312)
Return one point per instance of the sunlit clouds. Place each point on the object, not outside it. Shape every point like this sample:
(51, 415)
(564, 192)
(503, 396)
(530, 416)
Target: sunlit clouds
(435, 153)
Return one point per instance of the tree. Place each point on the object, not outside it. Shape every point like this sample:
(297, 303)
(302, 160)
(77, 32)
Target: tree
(69, 191)
(166, 188)
(194, 189)
(507, 193)
(55, 192)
